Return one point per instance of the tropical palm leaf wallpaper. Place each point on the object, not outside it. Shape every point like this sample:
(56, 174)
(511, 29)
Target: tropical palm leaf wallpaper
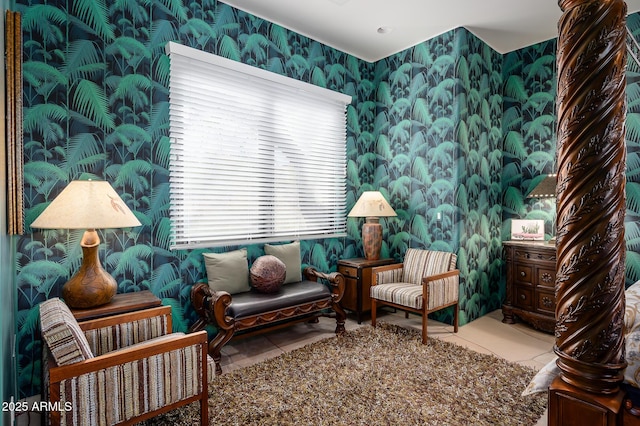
(528, 123)
(450, 131)
(632, 219)
(439, 159)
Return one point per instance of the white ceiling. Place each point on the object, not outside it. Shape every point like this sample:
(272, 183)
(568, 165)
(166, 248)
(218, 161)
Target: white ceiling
(351, 25)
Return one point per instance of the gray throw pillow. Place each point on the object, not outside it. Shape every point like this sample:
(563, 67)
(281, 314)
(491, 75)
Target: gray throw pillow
(289, 254)
(228, 271)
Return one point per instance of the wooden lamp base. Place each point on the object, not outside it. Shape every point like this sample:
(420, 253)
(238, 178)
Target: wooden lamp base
(372, 238)
(91, 286)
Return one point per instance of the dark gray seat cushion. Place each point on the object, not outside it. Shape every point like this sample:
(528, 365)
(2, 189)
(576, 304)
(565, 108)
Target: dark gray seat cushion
(253, 303)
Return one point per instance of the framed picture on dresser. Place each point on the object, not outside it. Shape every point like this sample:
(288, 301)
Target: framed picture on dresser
(527, 229)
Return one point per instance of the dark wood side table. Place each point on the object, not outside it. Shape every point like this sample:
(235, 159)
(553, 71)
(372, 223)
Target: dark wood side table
(531, 277)
(357, 274)
(120, 304)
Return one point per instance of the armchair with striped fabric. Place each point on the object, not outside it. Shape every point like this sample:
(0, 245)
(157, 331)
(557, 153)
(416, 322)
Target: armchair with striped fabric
(121, 369)
(425, 282)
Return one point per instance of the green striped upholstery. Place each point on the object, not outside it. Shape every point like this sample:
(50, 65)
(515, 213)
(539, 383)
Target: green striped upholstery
(211, 365)
(142, 382)
(108, 339)
(443, 292)
(390, 276)
(123, 392)
(407, 291)
(62, 334)
(423, 263)
(405, 294)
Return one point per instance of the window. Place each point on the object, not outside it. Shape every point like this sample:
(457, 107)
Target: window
(255, 156)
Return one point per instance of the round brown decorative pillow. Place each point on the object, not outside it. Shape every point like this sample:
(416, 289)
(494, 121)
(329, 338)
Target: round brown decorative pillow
(267, 274)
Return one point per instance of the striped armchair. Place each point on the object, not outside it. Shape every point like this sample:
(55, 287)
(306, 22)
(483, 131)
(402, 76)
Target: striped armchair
(426, 282)
(121, 369)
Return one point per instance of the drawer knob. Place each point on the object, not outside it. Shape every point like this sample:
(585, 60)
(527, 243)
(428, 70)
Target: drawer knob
(523, 297)
(523, 274)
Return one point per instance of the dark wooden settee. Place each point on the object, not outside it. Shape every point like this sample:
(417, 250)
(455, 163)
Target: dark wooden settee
(253, 312)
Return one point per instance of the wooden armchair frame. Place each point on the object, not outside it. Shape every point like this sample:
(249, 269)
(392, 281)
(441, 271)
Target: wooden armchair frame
(426, 282)
(195, 345)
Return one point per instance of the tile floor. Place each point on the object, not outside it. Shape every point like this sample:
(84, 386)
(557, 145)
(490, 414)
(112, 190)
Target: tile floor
(515, 342)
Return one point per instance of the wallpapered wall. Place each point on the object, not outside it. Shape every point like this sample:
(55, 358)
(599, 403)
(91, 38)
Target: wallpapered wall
(439, 157)
(425, 127)
(529, 123)
(632, 219)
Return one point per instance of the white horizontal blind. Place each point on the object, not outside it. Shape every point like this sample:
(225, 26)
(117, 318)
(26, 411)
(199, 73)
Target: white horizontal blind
(255, 156)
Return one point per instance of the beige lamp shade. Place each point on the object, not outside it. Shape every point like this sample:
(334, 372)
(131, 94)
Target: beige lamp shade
(371, 204)
(546, 188)
(90, 205)
(86, 204)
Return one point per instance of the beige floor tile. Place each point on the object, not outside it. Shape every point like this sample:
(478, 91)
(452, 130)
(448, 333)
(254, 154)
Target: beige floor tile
(302, 334)
(504, 340)
(456, 339)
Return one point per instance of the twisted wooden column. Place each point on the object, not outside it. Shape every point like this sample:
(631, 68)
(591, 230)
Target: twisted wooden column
(591, 159)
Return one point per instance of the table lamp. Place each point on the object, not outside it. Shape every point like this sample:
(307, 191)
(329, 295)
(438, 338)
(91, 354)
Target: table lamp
(371, 205)
(545, 188)
(90, 205)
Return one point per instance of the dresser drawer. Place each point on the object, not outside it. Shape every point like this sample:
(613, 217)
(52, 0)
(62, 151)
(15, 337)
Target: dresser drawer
(547, 278)
(348, 271)
(523, 273)
(545, 302)
(523, 297)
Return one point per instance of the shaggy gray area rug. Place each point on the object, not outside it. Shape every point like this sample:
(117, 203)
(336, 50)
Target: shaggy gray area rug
(381, 376)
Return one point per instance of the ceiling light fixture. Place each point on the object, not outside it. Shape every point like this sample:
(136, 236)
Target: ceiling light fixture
(384, 30)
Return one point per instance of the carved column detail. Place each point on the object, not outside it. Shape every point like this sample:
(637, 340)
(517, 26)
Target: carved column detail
(591, 157)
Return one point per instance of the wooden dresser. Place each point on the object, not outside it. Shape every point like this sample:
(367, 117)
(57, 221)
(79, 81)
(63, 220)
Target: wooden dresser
(531, 276)
(357, 276)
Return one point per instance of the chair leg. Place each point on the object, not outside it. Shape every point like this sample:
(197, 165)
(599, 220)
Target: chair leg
(424, 328)
(204, 406)
(455, 318)
(373, 312)
(406, 314)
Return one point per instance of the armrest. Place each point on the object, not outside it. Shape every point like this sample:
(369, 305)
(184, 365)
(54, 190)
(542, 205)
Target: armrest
(388, 273)
(126, 355)
(442, 288)
(211, 307)
(430, 278)
(139, 367)
(119, 331)
(335, 280)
